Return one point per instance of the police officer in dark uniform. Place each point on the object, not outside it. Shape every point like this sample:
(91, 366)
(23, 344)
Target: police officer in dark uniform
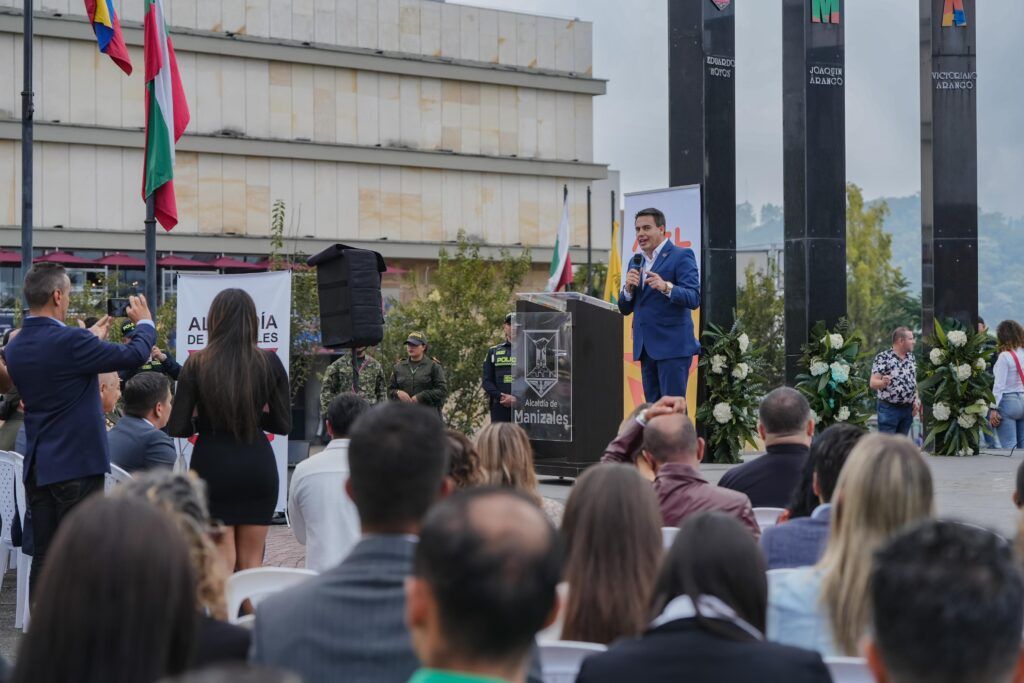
(498, 368)
(158, 360)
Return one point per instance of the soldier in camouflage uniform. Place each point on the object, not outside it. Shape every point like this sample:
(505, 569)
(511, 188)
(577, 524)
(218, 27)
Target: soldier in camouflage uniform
(338, 379)
(419, 378)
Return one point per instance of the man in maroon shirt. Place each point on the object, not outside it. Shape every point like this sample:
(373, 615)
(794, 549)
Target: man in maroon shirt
(668, 442)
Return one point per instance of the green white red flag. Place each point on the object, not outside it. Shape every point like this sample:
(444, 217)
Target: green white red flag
(166, 115)
(560, 273)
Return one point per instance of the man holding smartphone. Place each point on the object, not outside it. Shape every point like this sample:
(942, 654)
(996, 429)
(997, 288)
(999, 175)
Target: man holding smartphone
(56, 367)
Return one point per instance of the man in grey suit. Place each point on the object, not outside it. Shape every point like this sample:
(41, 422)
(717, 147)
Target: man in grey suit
(348, 624)
(136, 442)
(800, 542)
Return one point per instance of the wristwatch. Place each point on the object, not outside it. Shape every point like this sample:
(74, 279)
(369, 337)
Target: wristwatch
(668, 290)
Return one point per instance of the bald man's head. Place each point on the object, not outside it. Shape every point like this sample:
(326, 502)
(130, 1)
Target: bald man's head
(671, 438)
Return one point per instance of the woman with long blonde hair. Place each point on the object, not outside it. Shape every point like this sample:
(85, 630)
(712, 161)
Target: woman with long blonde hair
(884, 486)
(506, 458)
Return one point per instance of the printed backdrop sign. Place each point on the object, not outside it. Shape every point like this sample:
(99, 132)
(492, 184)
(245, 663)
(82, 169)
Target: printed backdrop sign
(272, 293)
(681, 206)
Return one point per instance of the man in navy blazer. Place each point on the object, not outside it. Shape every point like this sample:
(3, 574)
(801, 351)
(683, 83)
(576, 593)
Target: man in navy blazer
(660, 295)
(55, 367)
(136, 441)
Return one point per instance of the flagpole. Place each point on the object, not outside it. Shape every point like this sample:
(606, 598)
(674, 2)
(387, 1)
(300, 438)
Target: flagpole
(568, 243)
(26, 145)
(589, 265)
(151, 253)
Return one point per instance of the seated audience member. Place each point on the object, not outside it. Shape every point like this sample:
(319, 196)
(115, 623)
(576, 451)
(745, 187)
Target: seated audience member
(801, 541)
(323, 517)
(483, 583)
(1018, 490)
(669, 444)
(110, 393)
(708, 618)
(506, 458)
(116, 602)
(786, 427)
(464, 462)
(183, 498)
(945, 602)
(348, 623)
(611, 533)
(884, 486)
(136, 441)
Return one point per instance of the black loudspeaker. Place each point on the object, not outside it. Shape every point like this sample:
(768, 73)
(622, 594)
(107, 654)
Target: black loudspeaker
(348, 283)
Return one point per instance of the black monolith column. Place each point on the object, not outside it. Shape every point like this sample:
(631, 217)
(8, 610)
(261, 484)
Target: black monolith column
(814, 161)
(702, 137)
(949, 163)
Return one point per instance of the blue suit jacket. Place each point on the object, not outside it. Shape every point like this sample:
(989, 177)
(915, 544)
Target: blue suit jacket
(136, 445)
(55, 368)
(662, 325)
(799, 542)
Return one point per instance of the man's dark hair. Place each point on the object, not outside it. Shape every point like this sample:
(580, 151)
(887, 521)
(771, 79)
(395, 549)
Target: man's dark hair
(658, 216)
(493, 562)
(143, 391)
(1020, 484)
(398, 457)
(784, 411)
(41, 282)
(946, 605)
(343, 411)
(899, 333)
(669, 435)
(829, 452)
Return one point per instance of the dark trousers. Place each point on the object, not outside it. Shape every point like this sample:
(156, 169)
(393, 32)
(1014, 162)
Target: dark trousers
(49, 505)
(500, 413)
(895, 419)
(666, 377)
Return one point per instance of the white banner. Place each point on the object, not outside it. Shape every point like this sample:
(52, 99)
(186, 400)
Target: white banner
(272, 293)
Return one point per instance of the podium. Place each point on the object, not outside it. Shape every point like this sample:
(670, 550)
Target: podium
(567, 379)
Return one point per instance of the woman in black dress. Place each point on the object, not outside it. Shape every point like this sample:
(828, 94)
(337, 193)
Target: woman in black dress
(230, 393)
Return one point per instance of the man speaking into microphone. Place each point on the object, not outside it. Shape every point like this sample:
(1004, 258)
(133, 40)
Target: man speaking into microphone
(662, 287)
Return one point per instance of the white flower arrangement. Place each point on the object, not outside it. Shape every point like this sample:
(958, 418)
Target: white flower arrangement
(819, 368)
(980, 365)
(962, 372)
(937, 357)
(718, 364)
(843, 414)
(966, 420)
(741, 371)
(722, 413)
(744, 342)
(834, 341)
(840, 372)
(814, 416)
(941, 412)
(957, 338)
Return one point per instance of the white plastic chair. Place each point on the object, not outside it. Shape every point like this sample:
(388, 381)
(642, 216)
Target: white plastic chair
(256, 584)
(767, 517)
(668, 536)
(9, 467)
(24, 561)
(849, 670)
(115, 476)
(560, 660)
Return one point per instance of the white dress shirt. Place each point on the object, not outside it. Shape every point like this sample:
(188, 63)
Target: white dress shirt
(1007, 378)
(323, 517)
(646, 268)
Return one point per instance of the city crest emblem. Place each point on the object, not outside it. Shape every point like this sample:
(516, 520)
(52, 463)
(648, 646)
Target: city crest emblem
(542, 354)
(722, 4)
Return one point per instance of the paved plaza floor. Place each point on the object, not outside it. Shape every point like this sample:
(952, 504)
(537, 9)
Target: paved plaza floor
(975, 489)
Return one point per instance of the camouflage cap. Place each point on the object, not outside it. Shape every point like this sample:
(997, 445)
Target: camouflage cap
(417, 339)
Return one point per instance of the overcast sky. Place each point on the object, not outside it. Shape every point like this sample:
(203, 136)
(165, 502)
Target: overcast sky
(882, 95)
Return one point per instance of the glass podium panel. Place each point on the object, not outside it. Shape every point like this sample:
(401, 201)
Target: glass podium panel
(542, 381)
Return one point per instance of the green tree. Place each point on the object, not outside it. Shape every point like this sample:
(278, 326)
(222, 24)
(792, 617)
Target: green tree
(598, 273)
(461, 313)
(759, 304)
(876, 291)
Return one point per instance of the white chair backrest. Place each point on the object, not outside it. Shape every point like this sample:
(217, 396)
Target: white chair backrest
(668, 535)
(256, 584)
(767, 517)
(10, 477)
(115, 476)
(561, 659)
(849, 670)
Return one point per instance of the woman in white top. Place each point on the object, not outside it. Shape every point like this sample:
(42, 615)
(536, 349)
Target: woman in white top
(1008, 417)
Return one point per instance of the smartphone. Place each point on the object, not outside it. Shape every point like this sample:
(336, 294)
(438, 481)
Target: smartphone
(116, 308)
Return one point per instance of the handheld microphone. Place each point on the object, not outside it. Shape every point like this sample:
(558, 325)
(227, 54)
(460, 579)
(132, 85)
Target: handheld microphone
(636, 262)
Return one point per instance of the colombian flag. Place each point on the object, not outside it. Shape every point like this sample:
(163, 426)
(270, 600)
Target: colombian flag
(108, 32)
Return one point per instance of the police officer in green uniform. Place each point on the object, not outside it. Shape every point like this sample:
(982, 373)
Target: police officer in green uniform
(419, 378)
(338, 379)
(498, 367)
